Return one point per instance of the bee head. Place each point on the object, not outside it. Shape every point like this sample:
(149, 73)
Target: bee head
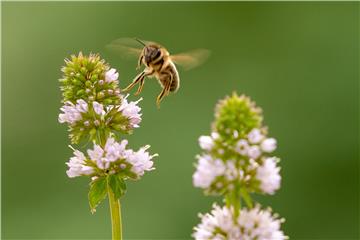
(151, 53)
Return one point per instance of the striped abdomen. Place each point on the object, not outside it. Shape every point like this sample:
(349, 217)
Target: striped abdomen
(164, 76)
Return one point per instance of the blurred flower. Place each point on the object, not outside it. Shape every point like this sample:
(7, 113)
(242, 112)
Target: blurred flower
(268, 145)
(206, 142)
(242, 147)
(207, 170)
(268, 175)
(255, 136)
(222, 224)
(254, 152)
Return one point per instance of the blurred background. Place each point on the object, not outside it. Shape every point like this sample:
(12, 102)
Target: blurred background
(298, 61)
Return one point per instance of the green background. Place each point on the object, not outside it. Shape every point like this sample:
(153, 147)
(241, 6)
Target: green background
(298, 61)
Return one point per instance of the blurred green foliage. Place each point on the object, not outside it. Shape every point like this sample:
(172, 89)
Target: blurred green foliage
(298, 61)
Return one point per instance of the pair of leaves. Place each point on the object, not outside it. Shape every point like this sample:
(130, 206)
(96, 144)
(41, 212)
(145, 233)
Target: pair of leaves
(100, 187)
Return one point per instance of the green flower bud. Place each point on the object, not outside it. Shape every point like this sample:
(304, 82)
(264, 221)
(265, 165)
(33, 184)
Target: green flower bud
(236, 116)
(81, 73)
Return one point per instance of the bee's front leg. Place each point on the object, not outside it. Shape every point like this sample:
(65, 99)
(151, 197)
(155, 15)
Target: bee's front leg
(134, 82)
(139, 78)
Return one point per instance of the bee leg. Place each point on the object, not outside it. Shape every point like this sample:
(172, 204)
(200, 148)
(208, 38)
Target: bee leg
(136, 80)
(164, 92)
(141, 85)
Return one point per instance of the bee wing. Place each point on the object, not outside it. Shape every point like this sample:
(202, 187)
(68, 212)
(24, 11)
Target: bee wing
(125, 47)
(191, 59)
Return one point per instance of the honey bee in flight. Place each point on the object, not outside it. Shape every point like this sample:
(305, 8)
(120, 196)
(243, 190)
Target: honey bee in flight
(158, 63)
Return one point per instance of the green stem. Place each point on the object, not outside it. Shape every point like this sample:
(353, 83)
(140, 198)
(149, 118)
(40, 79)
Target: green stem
(115, 216)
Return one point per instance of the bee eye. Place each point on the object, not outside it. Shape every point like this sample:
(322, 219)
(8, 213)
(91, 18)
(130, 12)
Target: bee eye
(158, 52)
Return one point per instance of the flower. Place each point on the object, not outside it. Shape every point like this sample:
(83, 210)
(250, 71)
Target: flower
(255, 136)
(111, 75)
(113, 158)
(254, 152)
(98, 108)
(242, 147)
(131, 111)
(207, 170)
(81, 106)
(268, 175)
(141, 161)
(77, 165)
(206, 142)
(70, 113)
(217, 225)
(256, 223)
(268, 145)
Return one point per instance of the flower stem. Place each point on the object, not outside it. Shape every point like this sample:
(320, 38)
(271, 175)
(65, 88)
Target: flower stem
(115, 216)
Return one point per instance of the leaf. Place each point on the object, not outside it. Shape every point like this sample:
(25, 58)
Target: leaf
(118, 185)
(246, 197)
(97, 192)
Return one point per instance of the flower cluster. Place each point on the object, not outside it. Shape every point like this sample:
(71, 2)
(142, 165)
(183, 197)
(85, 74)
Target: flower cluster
(95, 110)
(245, 162)
(84, 120)
(255, 223)
(114, 158)
(236, 161)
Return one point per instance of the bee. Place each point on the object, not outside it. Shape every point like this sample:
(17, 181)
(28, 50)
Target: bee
(158, 63)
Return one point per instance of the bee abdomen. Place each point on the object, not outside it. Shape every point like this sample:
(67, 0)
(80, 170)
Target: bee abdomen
(175, 84)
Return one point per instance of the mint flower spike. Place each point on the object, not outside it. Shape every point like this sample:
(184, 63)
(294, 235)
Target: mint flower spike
(95, 110)
(235, 162)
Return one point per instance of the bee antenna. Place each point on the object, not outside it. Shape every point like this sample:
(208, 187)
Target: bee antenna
(142, 43)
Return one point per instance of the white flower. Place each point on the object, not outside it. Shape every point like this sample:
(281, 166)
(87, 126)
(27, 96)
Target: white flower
(251, 224)
(219, 219)
(269, 145)
(70, 113)
(269, 176)
(111, 75)
(242, 147)
(255, 136)
(259, 224)
(77, 165)
(207, 170)
(141, 161)
(215, 135)
(254, 152)
(231, 172)
(206, 142)
(132, 111)
(98, 108)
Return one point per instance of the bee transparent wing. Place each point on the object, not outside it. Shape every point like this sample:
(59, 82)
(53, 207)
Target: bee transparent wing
(125, 47)
(191, 59)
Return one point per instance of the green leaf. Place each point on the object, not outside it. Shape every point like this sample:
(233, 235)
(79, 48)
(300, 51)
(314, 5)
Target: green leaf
(247, 198)
(118, 185)
(97, 192)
